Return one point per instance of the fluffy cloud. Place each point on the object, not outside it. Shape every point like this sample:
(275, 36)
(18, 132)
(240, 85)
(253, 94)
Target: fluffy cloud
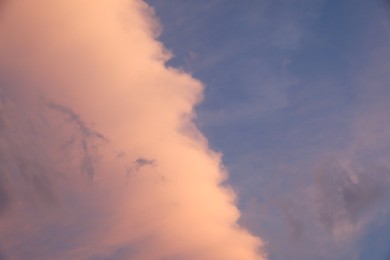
(99, 156)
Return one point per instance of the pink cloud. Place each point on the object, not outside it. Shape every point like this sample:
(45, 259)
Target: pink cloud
(85, 95)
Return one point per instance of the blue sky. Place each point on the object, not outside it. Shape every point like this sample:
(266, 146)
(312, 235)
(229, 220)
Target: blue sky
(297, 99)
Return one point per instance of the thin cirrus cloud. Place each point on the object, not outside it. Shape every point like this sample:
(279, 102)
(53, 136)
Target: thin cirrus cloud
(99, 155)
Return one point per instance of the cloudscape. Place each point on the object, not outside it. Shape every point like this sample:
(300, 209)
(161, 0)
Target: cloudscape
(194, 130)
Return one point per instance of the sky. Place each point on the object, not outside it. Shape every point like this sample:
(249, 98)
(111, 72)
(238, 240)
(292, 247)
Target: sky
(297, 100)
(167, 129)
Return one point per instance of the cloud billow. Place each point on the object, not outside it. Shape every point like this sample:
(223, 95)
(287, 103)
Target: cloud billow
(85, 96)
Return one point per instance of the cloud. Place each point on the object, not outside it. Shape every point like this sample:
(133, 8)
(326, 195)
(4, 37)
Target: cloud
(86, 96)
(346, 192)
